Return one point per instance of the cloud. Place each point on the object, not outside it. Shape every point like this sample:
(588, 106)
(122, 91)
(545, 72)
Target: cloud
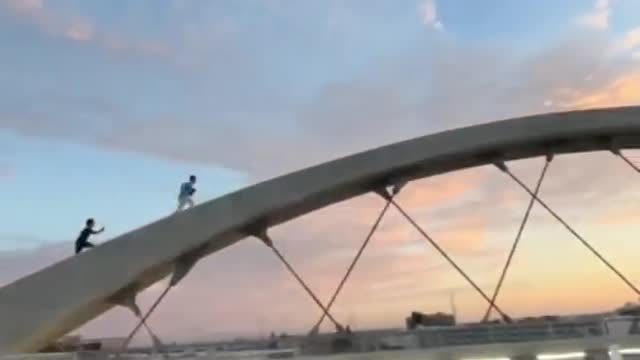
(6, 171)
(80, 32)
(429, 14)
(626, 214)
(387, 103)
(226, 293)
(631, 40)
(621, 91)
(26, 6)
(35, 12)
(15, 264)
(598, 17)
(341, 18)
(468, 237)
(252, 277)
(438, 86)
(78, 28)
(433, 191)
(621, 217)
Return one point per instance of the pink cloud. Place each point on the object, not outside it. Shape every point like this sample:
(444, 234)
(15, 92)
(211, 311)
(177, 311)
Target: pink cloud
(75, 28)
(15, 264)
(466, 237)
(627, 215)
(621, 91)
(245, 290)
(6, 171)
(631, 40)
(241, 287)
(229, 291)
(79, 28)
(429, 13)
(598, 17)
(217, 300)
(80, 31)
(432, 191)
(26, 6)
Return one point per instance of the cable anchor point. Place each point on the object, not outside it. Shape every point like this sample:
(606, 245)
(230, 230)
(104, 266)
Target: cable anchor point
(501, 165)
(126, 298)
(183, 266)
(260, 232)
(388, 192)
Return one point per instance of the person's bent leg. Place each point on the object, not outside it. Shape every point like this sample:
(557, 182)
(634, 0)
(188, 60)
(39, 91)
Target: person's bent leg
(81, 246)
(180, 204)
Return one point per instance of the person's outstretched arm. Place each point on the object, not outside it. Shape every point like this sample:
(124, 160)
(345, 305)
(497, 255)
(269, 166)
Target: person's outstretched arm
(97, 232)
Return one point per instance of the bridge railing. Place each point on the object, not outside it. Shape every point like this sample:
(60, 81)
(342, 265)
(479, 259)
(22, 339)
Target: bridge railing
(509, 333)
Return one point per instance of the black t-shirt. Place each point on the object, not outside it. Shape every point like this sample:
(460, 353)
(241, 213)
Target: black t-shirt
(84, 235)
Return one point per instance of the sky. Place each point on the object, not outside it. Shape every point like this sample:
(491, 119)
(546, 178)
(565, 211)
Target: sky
(106, 107)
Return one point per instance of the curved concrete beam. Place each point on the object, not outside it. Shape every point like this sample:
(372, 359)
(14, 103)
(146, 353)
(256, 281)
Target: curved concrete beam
(43, 306)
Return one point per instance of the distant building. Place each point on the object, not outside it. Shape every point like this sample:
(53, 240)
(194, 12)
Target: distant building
(76, 343)
(417, 320)
(629, 308)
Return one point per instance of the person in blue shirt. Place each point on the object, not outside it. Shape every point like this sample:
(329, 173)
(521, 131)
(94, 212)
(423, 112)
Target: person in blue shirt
(187, 190)
(83, 239)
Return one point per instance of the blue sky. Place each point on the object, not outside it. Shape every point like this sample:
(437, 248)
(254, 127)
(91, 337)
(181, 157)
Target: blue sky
(122, 191)
(107, 106)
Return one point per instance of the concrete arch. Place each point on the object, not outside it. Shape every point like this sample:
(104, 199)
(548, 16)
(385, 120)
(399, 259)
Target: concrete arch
(80, 288)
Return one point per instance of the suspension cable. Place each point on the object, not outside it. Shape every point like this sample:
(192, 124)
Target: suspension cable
(450, 260)
(353, 263)
(265, 238)
(525, 219)
(155, 339)
(143, 321)
(595, 252)
(627, 160)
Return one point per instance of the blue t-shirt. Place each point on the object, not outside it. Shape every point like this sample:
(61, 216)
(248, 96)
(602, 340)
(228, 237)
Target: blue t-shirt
(186, 189)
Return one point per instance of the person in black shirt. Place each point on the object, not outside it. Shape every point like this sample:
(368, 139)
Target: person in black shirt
(83, 239)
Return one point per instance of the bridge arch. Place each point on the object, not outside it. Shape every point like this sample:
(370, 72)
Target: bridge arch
(82, 287)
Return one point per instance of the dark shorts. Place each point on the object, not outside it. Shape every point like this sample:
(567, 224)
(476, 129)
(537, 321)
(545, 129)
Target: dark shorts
(82, 244)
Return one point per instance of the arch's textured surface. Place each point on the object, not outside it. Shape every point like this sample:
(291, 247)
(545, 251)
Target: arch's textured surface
(43, 306)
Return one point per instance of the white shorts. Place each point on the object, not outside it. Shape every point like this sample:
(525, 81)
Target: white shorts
(184, 201)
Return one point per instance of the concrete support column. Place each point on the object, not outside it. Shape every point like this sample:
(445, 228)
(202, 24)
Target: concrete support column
(614, 352)
(597, 354)
(90, 355)
(524, 357)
